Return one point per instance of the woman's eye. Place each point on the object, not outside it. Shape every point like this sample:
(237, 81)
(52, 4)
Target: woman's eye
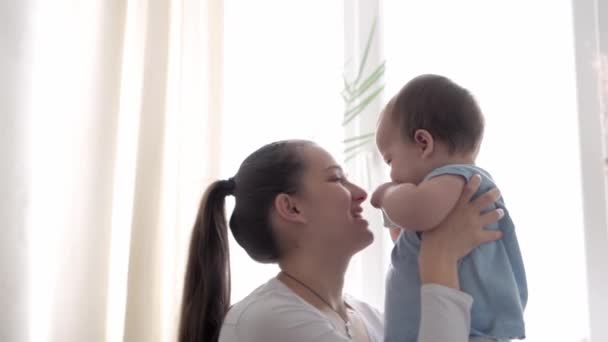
(340, 179)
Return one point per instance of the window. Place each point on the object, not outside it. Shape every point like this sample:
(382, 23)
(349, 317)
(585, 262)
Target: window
(518, 60)
(283, 77)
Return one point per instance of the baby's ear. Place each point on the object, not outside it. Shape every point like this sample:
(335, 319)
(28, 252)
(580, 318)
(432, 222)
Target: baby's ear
(424, 141)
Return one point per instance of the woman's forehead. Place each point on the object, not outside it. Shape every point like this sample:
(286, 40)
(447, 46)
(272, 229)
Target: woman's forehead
(319, 160)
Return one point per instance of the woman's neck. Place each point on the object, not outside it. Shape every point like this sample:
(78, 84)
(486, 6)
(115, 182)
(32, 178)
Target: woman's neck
(311, 279)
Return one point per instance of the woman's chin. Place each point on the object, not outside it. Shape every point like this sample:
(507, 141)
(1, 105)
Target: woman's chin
(361, 221)
(359, 234)
(367, 238)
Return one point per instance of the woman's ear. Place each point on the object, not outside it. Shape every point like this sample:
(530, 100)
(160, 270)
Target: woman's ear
(287, 209)
(424, 141)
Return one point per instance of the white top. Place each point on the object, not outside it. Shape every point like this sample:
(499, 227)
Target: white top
(275, 313)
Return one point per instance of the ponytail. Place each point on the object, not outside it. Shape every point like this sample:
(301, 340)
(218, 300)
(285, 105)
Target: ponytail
(271, 170)
(206, 296)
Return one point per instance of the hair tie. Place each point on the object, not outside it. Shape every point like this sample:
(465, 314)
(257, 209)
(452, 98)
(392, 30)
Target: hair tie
(230, 185)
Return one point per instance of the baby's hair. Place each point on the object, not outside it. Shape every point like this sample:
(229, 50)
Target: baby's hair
(446, 110)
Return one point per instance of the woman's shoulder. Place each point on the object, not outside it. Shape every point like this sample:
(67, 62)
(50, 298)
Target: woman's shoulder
(275, 298)
(268, 299)
(272, 309)
(271, 303)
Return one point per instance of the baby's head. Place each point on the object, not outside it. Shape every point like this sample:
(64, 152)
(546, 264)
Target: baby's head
(431, 122)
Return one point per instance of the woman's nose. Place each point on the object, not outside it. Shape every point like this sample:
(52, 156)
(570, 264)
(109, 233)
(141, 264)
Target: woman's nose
(358, 193)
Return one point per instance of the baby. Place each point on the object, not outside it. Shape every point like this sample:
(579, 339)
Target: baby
(429, 134)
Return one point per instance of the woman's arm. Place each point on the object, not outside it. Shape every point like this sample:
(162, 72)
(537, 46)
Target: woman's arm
(445, 314)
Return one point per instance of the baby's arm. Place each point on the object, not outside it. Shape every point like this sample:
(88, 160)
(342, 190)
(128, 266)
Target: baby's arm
(424, 206)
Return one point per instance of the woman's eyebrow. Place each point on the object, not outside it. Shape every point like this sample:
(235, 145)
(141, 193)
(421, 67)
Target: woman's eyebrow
(334, 167)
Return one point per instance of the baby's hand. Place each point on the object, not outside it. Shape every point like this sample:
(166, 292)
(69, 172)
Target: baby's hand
(378, 195)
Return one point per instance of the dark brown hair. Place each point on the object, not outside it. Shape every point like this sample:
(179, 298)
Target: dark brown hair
(446, 110)
(271, 170)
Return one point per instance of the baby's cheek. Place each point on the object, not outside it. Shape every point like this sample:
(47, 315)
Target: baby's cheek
(393, 175)
(396, 176)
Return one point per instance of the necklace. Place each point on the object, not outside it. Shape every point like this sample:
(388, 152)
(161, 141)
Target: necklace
(347, 324)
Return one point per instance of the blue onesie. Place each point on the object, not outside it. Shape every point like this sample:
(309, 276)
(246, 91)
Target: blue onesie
(493, 274)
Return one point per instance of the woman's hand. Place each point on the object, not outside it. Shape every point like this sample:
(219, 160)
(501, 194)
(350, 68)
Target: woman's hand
(459, 233)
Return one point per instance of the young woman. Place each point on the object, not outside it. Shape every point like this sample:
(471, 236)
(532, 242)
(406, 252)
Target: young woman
(295, 207)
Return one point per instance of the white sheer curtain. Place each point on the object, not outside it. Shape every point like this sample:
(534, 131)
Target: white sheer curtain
(13, 168)
(112, 131)
(364, 58)
(109, 120)
(283, 75)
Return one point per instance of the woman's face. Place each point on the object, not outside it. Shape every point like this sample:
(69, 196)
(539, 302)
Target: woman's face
(331, 205)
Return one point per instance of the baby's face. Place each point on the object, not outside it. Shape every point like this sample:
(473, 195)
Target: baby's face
(403, 157)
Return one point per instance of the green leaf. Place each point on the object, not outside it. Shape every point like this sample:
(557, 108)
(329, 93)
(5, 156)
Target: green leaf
(347, 86)
(354, 147)
(344, 97)
(363, 103)
(368, 45)
(357, 92)
(359, 137)
(352, 113)
(368, 83)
